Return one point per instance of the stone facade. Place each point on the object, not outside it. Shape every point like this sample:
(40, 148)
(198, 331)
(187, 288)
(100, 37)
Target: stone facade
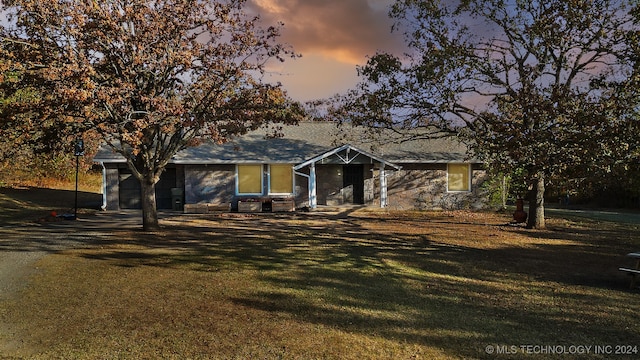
(424, 187)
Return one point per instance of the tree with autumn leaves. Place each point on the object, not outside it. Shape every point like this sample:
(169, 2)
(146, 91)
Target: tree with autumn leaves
(547, 88)
(149, 78)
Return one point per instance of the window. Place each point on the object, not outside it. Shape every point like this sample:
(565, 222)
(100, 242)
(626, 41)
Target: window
(249, 179)
(458, 177)
(280, 179)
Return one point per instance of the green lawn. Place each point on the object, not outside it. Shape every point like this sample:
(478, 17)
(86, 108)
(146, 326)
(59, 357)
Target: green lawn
(373, 285)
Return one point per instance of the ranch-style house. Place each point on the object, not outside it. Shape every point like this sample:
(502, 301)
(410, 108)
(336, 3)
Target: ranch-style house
(312, 165)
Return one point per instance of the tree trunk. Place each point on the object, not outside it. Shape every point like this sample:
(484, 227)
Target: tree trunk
(536, 204)
(149, 210)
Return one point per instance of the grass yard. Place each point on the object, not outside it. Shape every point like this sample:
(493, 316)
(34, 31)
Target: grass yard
(25, 202)
(371, 285)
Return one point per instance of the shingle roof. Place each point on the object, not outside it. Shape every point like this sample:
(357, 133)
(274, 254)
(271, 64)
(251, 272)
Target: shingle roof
(309, 139)
(344, 153)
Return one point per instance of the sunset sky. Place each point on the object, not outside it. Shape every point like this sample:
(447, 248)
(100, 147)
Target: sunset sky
(333, 36)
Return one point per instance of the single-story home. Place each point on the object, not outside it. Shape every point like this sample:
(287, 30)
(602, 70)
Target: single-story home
(314, 164)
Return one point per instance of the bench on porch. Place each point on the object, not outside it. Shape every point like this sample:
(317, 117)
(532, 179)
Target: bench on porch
(633, 272)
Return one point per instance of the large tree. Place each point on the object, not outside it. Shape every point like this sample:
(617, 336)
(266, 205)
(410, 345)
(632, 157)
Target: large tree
(151, 77)
(526, 82)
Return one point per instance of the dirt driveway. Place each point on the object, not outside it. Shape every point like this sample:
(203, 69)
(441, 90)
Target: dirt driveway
(622, 217)
(22, 246)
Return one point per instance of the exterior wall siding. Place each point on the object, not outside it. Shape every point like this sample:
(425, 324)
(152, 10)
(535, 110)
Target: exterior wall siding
(209, 184)
(112, 187)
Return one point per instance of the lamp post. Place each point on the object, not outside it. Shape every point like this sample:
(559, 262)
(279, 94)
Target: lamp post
(78, 151)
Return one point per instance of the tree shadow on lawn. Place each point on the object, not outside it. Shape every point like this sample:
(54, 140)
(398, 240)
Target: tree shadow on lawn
(576, 256)
(405, 286)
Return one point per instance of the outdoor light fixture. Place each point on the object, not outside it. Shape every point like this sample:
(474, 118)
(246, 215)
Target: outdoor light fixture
(79, 148)
(78, 151)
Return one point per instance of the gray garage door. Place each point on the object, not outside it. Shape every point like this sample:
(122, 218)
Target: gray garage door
(130, 190)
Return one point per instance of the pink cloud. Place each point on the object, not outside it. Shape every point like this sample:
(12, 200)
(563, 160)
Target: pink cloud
(344, 31)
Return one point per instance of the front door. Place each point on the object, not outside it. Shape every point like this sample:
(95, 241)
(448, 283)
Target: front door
(353, 184)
